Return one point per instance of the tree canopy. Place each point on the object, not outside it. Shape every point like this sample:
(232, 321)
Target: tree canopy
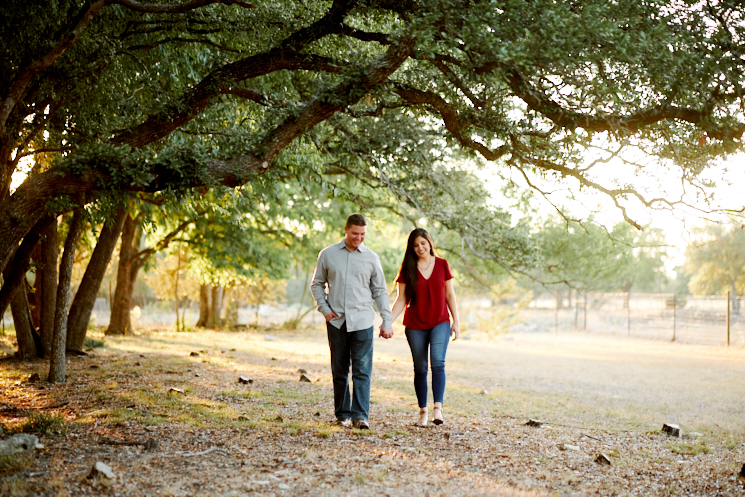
(716, 261)
(123, 96)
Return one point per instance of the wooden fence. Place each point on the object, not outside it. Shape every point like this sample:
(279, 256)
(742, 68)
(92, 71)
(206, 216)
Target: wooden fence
(683, 318)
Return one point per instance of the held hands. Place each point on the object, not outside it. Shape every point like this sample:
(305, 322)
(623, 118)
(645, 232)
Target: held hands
(331, 315)
(455, 331)
(386, 332)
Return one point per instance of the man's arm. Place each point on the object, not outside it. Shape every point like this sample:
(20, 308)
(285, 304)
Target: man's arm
(379, 291)
(318, 286)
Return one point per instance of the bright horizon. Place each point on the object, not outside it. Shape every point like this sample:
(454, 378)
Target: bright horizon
(676, 224)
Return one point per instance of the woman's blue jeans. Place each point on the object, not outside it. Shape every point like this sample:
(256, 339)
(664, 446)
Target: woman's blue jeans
(432, 343)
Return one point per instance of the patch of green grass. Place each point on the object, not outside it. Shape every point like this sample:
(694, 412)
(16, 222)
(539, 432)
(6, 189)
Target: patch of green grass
(325, 431)
(359, 479)
(296, 428)
(117, 415)
(91, 343)
(395, 434)
(363, 433)
(234, 394)
(285, 394)
(244, 421)
(12, 463)
(38, 422)
(689, 448)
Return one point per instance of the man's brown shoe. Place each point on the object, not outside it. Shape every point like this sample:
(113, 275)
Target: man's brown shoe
(361, 424)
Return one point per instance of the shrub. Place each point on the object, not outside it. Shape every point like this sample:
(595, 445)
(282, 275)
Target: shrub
(38, 422)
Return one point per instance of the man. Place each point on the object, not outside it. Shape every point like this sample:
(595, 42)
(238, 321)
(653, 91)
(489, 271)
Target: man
(355, 278)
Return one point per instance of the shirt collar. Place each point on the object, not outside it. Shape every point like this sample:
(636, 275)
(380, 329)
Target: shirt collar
(361, 248)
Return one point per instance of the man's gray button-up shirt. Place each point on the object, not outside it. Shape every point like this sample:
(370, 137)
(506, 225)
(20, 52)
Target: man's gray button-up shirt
(355, 279)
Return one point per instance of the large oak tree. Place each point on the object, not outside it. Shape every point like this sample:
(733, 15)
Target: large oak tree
(119, 95)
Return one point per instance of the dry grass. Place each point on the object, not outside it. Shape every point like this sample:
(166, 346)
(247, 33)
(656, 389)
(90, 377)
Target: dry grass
(272, 437)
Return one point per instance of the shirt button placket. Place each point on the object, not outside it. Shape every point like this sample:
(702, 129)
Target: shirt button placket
(346, 288)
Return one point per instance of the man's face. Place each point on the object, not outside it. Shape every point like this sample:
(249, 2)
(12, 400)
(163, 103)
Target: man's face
(354, 235)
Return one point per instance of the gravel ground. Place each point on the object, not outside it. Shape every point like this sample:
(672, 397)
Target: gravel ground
(594, 394)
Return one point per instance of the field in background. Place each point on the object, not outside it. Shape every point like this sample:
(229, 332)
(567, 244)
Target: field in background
(682, 318)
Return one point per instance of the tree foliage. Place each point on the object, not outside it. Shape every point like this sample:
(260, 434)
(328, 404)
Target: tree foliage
(716, 261)
(588, 257)
(119, 95)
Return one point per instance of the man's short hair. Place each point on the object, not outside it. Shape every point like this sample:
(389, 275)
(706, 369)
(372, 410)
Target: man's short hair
(356, 220)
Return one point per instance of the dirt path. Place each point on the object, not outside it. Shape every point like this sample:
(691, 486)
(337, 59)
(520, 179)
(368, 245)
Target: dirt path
(608, 381)
(272, 437)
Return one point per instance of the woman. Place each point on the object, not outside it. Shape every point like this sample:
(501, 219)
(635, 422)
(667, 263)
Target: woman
(425, 290)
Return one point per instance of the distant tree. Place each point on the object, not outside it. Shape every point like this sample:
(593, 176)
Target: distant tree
(680, 284)
(645, 270)
(589, 257)
(716, 261)
(170, 280)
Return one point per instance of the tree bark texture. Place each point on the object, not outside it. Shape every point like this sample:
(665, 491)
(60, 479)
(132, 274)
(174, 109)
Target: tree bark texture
(48, 297)
(216, 311)
(129, 266)
(24, 328)
(204, 306)
(59, 338)
(15, 272)
(85, 298)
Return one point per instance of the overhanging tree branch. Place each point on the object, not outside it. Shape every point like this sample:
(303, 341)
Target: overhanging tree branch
(450, 116)
(631, 123)
(79, 25)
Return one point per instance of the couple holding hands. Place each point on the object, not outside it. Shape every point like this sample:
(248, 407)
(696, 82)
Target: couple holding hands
(347, 279)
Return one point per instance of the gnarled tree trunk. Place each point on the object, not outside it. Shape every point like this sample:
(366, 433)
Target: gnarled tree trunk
(59, 339)
(204, 306)
(216, 310)
(129, 266)
(47, 300)
(14, 273)
(85, 297)
(27, 347)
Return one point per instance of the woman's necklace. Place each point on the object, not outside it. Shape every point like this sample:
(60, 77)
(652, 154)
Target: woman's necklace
(429, 264)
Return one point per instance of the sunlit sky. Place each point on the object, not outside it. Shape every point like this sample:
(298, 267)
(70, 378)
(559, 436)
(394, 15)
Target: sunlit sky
(729, 193)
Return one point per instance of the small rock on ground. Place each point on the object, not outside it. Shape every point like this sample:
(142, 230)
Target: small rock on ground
(101, 469)
(17, 443)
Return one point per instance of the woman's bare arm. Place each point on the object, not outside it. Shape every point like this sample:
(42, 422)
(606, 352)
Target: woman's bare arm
(400, 304)
(453, 307)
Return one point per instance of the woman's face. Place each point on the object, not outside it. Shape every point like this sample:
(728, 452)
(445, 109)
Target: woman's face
(422, 247)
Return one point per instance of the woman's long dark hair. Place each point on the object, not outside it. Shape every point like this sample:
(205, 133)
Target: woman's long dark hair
(408, 270)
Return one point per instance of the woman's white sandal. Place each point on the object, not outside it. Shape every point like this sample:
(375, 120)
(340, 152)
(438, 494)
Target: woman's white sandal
(423, 415)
